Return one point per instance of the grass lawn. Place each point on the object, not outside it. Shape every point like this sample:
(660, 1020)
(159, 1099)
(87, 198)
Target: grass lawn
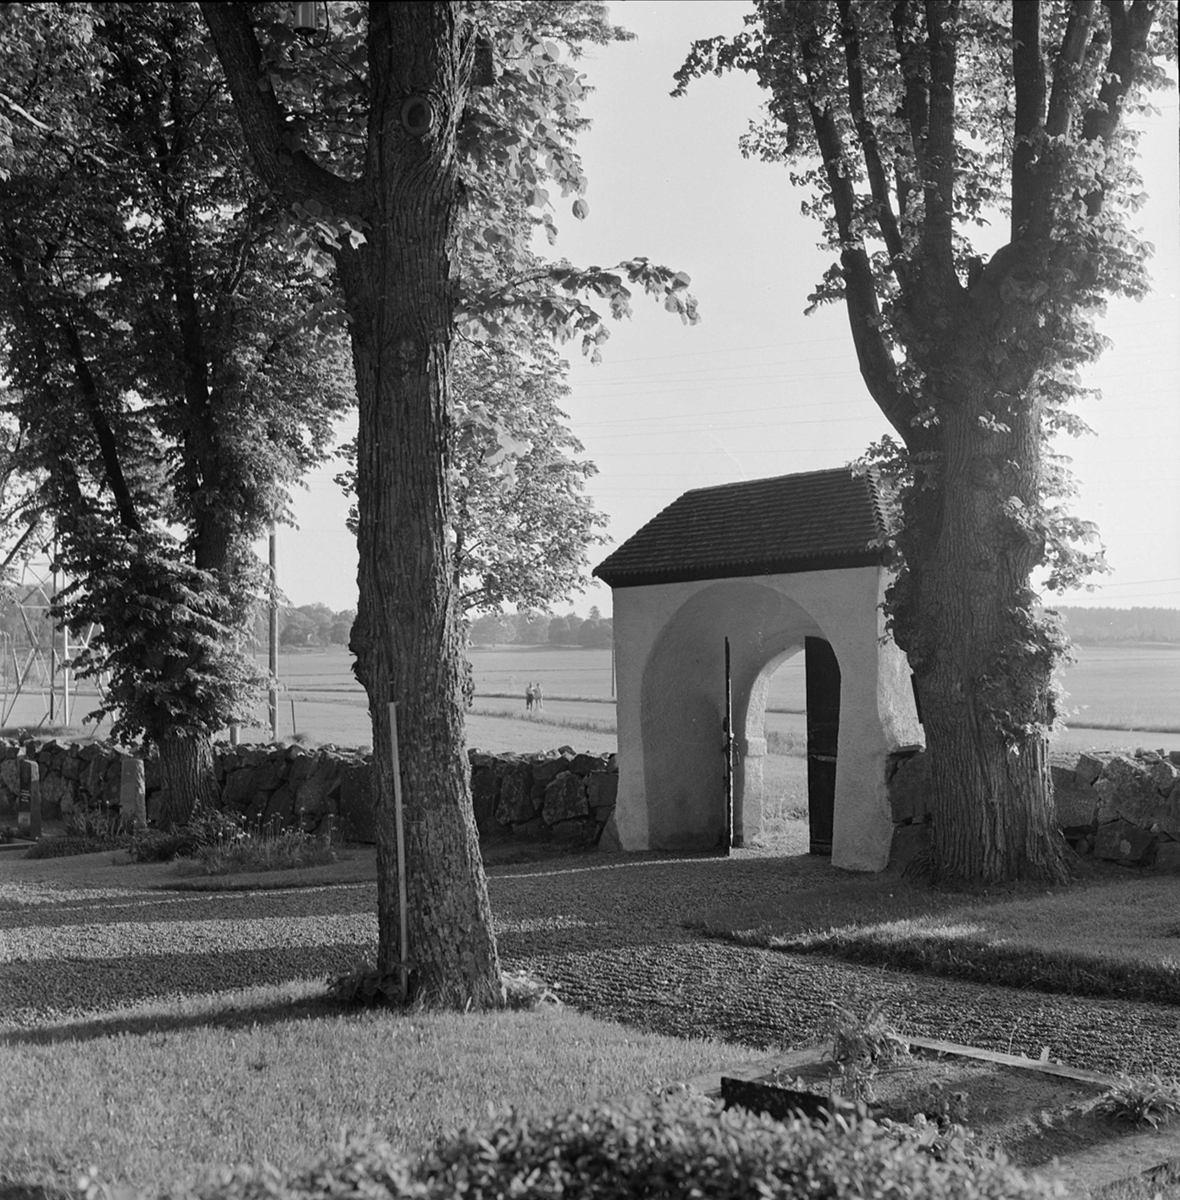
(155, 1096)
(1113, 933)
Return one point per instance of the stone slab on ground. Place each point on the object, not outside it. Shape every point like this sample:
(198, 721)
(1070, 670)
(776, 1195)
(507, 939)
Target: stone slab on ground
(1079, 1174)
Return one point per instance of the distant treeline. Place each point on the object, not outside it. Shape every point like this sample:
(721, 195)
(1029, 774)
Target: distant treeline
(542, 629)
(1122, 624)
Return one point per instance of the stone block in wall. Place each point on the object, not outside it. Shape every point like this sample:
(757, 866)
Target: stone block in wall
(586, 764)
(909, 841)
(545, 770)
(1136, 800)
(356, 820)
(1076, 803)
(1164, 775)
(565, 797)
(239, 790)
(10, 776)
(312, 795)
(532, 830)
(909, 789)
(581, 832)
(1088, 769)
(602, 789)
(280, 810)
(1167, 858)
(298, 769)
(57, 796)
(515, 804)
(1123, 842)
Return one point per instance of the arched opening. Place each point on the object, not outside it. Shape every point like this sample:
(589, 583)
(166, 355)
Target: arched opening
(786, 778)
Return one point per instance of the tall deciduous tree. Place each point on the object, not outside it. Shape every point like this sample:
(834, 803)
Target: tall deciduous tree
(372, 130)
(158, 347)
(913, 124)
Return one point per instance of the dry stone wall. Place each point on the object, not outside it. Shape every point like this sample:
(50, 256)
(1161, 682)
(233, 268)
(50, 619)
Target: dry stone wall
(560, 794)
(1116, 806)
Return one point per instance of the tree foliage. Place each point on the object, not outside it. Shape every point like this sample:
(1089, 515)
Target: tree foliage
(913, 127)
(165, 368)
(522, 520)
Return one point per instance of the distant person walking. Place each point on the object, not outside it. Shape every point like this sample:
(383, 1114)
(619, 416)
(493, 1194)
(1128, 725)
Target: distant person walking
(530, 697)
(538, 697)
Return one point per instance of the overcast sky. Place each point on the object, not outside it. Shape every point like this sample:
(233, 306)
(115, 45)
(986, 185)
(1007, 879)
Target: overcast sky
(757, 388)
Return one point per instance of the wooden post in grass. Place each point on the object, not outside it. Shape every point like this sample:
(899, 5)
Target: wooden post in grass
(400, 832)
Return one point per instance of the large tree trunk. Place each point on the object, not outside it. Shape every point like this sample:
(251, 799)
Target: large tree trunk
(186, 768)
(407, 636)
(963, 610)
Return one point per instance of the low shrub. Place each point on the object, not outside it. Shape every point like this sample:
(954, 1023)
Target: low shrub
(677, 1146)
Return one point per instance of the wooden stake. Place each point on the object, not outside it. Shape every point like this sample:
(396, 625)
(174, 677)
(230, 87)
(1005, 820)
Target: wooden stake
(400, 830)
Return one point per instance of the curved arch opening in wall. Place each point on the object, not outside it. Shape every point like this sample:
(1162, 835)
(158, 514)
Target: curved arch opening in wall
(682, 707)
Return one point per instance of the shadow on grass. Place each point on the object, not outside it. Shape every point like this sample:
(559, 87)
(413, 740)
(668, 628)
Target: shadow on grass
(272, 1011)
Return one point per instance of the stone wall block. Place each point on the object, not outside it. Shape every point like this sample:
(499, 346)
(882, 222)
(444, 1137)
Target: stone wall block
(10, 776)
(909, 789)
(1122, 842)
(602, 789)
(515, 804)
(298, 770)
(317, 785)
(577, 832)
(1077, 803)
(240, 788)
(1164, 775)
(1167, 858)
(1089, 768)
(565, 797)
(545, 770)
(1139, 802)
(1106, 790)
(357, 820)
(586, 764)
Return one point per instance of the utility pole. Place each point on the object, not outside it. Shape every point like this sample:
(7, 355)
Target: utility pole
(273, 640)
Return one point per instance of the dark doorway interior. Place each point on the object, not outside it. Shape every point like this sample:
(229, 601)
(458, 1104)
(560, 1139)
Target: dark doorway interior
(823, 732)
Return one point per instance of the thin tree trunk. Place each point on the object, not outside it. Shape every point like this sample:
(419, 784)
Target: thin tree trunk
(186, 768)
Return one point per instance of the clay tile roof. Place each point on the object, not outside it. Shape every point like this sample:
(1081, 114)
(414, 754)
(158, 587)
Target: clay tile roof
(815, 521)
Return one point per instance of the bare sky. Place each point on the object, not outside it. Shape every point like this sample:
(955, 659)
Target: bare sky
(757, 388)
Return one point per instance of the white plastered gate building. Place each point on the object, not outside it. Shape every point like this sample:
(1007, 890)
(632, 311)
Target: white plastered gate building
(776, 567)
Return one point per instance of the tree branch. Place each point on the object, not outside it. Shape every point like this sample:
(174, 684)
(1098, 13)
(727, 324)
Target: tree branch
(860, 292)
(867, 136)
(939, 168)
(289, 171)
(1028, 71)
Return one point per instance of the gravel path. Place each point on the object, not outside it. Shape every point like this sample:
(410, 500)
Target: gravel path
(79, 937)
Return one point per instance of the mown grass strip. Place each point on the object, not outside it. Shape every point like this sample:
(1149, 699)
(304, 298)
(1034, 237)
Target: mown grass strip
(156, 1094)
(1117, 935)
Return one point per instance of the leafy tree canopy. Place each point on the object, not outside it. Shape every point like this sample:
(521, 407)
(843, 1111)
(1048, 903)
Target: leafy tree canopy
(914, 128)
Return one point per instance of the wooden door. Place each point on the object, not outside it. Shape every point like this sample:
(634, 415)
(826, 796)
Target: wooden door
(823, 734)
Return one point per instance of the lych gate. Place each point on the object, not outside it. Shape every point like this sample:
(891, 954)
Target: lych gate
(776, 566)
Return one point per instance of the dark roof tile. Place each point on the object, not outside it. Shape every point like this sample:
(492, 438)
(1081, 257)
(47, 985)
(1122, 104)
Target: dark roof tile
(819, 520)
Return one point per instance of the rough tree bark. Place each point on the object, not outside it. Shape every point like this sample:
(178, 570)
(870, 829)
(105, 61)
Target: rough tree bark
(398, 293)
(973, 424)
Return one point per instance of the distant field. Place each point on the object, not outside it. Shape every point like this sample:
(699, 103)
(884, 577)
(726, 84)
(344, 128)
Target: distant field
(1112, 688)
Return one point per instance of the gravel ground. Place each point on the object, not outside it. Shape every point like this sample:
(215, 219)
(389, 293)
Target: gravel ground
(79, 937)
